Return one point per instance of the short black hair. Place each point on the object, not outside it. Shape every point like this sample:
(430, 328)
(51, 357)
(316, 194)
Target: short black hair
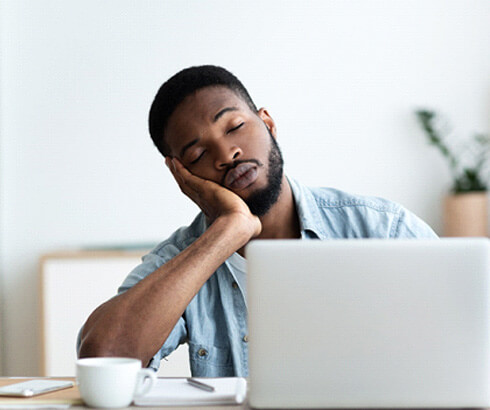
(182, 84)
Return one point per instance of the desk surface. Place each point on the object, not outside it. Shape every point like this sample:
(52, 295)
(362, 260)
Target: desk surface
(72, 396)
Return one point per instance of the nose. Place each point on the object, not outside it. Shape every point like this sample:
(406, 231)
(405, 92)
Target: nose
(226, 155)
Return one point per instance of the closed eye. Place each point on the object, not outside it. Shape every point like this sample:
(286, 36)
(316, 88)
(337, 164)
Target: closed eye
(235, 128)
(198, 158)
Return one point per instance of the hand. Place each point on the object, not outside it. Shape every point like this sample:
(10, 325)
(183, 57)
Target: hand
(213, 199)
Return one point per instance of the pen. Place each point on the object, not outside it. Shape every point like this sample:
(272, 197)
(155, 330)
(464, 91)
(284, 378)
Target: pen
(200, 385)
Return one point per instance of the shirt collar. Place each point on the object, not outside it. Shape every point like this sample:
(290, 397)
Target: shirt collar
(308, 214)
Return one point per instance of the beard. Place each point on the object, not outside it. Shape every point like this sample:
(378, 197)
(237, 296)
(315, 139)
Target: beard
(261, 201)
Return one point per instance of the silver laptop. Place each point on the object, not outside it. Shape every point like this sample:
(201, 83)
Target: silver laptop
(369, 323)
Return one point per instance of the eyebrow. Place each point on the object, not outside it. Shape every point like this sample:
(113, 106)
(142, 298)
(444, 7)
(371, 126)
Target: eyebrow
(223, 111)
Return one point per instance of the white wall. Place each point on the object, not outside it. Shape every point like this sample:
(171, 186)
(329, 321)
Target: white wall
(341, 79)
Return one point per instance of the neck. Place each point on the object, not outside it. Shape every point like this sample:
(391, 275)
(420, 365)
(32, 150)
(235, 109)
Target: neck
(281, 222)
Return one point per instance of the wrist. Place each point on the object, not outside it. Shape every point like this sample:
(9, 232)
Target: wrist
(242, 227)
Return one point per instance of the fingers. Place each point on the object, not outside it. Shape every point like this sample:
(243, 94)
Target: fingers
(213, 199)
(180, 172)
(171, 166)
(188, 182)
(176, 169)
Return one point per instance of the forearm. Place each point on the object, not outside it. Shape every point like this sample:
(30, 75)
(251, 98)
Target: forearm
(137, 322)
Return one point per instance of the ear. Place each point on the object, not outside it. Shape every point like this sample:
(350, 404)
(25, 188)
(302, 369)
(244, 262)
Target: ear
(269, 122)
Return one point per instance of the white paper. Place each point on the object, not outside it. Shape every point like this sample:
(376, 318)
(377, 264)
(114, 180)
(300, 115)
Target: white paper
(177, 391)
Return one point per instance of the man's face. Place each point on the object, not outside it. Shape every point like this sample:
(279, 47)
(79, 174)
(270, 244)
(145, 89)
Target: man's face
(215, 134)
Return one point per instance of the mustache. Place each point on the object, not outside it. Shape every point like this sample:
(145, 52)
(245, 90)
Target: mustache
(236, 163)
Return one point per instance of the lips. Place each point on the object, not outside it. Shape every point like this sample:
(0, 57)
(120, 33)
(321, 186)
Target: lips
(241, 176)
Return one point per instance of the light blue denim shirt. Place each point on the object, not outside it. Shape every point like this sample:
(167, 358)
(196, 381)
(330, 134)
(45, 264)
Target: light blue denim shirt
(215, 322)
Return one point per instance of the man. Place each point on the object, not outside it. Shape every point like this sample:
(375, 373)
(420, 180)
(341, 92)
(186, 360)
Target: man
(222, 151)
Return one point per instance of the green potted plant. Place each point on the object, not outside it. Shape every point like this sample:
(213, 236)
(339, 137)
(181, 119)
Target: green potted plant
(465, 208)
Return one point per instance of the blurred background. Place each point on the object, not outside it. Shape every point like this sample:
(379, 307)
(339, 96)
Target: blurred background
(341, 79)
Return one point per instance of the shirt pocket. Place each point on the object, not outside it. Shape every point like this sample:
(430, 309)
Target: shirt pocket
(210, 361)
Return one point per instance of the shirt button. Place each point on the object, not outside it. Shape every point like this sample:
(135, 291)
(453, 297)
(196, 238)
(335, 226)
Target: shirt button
(234, 285)
(202, 352)
(245, 338)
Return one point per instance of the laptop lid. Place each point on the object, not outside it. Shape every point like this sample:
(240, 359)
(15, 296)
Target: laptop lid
(369, 323)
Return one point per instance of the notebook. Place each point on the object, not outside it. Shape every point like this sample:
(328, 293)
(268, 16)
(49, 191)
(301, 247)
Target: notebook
(178, 392)
(369, 323)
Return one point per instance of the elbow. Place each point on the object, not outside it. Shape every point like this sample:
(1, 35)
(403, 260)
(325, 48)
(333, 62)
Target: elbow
(96, 344)
(95, 347)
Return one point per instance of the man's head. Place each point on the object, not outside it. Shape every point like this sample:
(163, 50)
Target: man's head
(183, 84)
(205, 117)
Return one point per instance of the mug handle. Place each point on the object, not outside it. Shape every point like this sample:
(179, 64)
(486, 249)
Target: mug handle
(143, 387)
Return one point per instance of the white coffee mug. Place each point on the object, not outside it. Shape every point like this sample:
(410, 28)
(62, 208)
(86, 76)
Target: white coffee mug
(112, 382)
